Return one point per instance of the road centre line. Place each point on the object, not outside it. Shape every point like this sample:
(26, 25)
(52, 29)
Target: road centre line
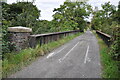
(86, 55)
(53, 53)
(67, 53)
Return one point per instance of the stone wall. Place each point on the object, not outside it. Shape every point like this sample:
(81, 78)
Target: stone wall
(19, 36)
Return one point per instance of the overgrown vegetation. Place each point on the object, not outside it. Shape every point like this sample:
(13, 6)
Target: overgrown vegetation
(115, 47)
(107, 20)
(13, 63)
(6, 45)
(110, 68)
(20, 14)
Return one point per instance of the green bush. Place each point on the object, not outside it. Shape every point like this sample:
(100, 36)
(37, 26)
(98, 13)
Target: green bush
(7, 46)
(110, 67)
(115, 47)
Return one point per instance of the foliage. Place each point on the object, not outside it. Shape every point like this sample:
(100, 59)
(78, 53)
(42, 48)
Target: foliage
(5, 42)
(20, 14)
(71, 16)
(43, 26)
(107, 20)
(6, 45)
(110, 67)
(115, 48)
(103, 19)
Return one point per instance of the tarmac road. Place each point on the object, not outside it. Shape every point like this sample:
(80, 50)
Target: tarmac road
(79, 58)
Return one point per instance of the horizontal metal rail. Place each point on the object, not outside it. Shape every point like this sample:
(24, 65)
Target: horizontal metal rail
(105, 37)
(49, 37)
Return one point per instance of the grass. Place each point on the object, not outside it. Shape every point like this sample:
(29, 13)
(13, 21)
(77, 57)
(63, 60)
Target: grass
(0, 69)
(13, 63)
(109, 66)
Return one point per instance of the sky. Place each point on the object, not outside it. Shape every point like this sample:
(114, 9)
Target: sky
(47, 6)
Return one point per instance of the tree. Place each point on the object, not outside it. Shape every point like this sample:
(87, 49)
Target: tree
(103, 19)
(74, 12)
(17, 14)
(107, 20)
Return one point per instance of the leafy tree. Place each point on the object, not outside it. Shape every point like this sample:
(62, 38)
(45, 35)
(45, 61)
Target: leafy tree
(107, 20)
(43, 26)
(72, 12)
(116, 15)
(103, 19)
(21, 13)
(29, 15)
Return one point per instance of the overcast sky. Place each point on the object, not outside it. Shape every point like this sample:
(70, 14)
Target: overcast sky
(47, 6)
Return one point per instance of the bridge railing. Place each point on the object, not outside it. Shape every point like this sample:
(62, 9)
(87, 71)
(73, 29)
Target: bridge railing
(49, 37)
(105, 37)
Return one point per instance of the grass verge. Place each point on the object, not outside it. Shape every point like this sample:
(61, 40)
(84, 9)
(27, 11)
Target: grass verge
(0, 69)
(109, 66)
(13, 63)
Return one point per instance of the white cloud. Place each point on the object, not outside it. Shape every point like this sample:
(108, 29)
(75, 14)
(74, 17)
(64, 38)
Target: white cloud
(50, 0)
(9, 1)
(47, 6)
(99, 2)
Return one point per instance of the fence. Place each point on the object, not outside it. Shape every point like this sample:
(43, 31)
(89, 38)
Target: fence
(105, 37)
(49, 37)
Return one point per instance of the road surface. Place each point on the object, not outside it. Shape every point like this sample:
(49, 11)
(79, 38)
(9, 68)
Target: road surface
(79, 58)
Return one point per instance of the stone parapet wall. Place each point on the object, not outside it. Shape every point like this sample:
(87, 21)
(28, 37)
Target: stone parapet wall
(19, 36)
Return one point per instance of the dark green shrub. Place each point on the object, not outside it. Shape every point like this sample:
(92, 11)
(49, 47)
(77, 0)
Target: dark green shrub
(7, 46)
(115, 47)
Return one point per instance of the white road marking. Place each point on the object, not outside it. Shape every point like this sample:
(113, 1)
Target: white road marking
(61, 49)
(99, 64)
(83, 75)
(67, 53)
(53, 53)
(50, 54)
(88, 59)
(90, 32)
(86, 54)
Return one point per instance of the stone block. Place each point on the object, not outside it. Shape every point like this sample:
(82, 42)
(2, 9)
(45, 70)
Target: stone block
(19, 29)
(20, 37)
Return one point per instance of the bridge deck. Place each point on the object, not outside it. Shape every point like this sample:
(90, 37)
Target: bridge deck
(79, 58)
